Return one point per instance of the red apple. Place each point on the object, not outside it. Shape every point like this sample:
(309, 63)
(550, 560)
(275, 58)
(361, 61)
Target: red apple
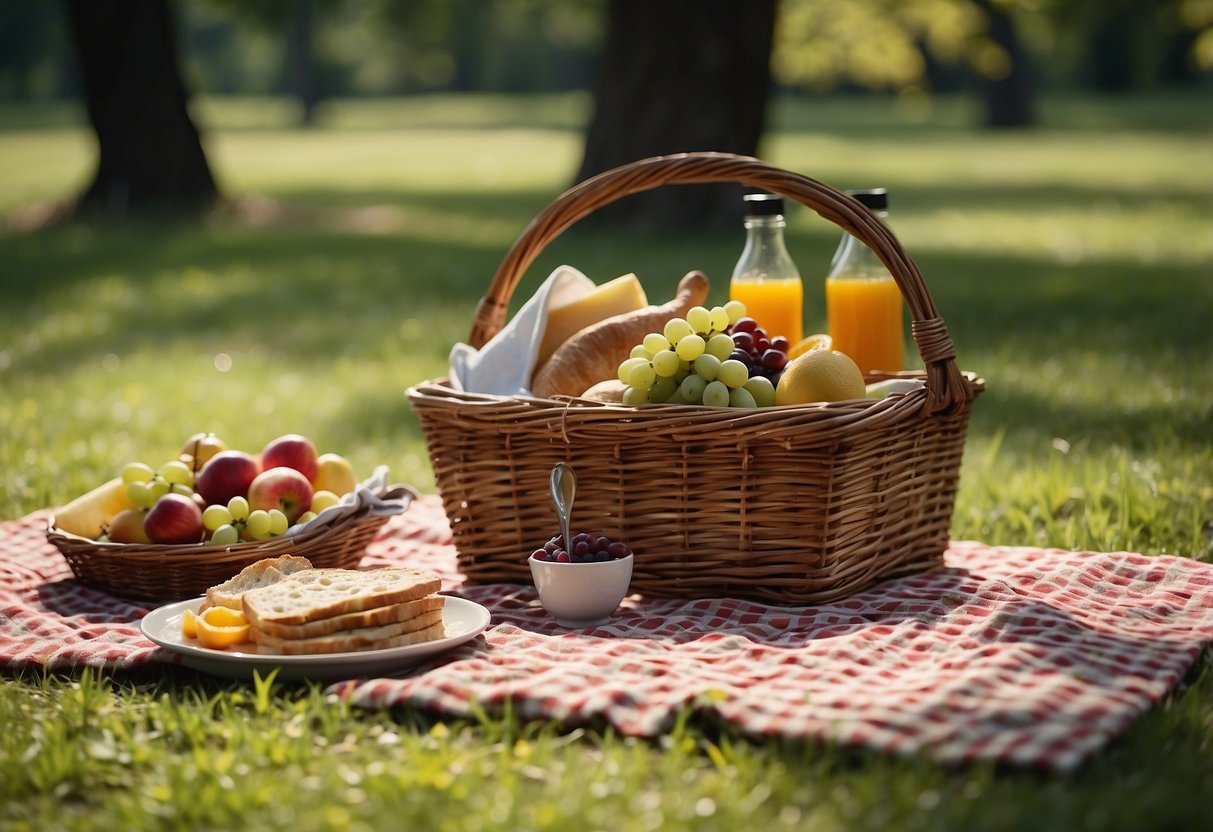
(291, 451)
(282, 488)
(127, 527)
(227, 474)
(174, 518)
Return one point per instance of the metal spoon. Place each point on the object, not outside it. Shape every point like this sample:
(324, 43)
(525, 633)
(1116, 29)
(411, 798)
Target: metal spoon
(564, 486)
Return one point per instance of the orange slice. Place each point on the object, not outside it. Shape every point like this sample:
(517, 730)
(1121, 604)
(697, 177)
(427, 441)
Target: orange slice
(819, 341)
(223, 617)
(189, 624)
(220, 628)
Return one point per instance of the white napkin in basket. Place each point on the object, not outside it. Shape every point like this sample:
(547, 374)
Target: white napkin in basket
(363, 498)
(504, 365)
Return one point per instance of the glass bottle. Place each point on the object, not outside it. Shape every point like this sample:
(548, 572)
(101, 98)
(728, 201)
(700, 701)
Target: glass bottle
(863, 302)
(765, 279)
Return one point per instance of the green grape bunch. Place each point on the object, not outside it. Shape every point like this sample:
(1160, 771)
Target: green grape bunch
(692, 361)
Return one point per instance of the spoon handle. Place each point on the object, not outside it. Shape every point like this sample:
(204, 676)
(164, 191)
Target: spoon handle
(564, 487)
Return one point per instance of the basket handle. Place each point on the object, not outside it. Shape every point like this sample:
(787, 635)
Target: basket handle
(945, 384)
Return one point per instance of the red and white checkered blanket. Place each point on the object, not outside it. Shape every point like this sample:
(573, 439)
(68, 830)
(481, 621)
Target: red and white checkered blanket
(1026, 656)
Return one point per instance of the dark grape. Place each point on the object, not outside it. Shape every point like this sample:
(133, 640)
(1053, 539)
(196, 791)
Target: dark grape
(586, 548)
(743, 341)
(760, 334)
(781, 343)
(742, 356)
(757, 370)
(761, 346)
(746, 324)
(774, 359)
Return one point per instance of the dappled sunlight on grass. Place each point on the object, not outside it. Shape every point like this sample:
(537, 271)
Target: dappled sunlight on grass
(1071, 266)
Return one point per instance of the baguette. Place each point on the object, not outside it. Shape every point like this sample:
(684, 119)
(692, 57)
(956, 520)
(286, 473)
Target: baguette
(595, 353)
(425, 627)
(376, 617)
(313, 594)
(264, 572)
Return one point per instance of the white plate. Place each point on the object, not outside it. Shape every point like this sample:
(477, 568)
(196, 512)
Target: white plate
(464, 620)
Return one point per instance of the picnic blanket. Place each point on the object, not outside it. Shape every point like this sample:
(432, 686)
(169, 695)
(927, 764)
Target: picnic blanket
(1029, 656)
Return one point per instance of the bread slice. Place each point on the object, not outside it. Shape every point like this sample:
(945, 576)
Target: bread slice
(425, 627)
(375, 617)
(264, 572)
(312, 594)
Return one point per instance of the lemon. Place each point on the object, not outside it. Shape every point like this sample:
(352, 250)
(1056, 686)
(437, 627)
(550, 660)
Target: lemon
(820, 376)
(819, 341)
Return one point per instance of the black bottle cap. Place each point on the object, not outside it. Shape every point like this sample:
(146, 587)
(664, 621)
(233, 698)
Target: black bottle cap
(763, 205)
(875, 198)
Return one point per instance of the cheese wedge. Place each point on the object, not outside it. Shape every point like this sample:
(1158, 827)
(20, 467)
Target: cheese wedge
(623, 294)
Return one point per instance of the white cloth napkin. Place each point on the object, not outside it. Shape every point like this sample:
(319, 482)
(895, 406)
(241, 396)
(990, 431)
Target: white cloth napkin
(365, 498)
(504, 365)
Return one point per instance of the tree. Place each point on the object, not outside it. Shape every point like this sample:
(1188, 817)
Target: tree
(1007, 83)
(150, 157)
(676, 76)
(886, 44)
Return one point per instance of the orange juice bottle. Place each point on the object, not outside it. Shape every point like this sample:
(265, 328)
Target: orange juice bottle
(863, 302)
(765, 279)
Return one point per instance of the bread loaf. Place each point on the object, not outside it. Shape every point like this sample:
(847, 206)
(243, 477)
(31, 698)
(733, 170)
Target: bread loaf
(595, 353)
(376, 617)
(321, 593)
(264, 572)
(425, 627)
(610, 390)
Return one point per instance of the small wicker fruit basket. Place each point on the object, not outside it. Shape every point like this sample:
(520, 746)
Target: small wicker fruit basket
(789, 505)
(157, 572)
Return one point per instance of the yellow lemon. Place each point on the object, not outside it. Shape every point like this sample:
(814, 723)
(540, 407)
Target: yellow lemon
(820, 376)
(819, 341)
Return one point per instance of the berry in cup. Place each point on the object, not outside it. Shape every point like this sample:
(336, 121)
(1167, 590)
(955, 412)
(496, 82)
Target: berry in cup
(584, 548)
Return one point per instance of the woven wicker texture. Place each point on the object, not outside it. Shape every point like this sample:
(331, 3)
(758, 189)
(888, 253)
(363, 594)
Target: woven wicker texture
(170, 573)
(797, 504)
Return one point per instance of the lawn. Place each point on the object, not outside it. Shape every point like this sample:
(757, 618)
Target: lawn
(1073, 263)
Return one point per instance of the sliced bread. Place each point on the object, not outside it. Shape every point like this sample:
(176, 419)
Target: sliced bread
(375, 617)
(312, 594)
(424, 627)
(264, 572)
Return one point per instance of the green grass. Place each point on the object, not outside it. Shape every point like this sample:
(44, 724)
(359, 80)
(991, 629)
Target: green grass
(1074, 267)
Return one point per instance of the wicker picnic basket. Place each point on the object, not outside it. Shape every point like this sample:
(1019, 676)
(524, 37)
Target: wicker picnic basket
(159, 572)
(792, 505)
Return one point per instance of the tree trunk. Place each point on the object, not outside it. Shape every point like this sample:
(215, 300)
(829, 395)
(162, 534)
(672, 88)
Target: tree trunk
(303, 74)
(150, 156)
(678, 76)
(1008, 97)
